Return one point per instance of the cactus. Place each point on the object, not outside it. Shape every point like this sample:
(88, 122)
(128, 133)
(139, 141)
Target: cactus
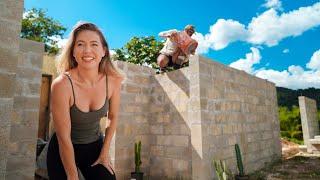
(239, 160)
(137, 156)
(221, 170)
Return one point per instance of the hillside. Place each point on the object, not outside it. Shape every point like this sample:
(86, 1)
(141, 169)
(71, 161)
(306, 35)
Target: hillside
(288, 97)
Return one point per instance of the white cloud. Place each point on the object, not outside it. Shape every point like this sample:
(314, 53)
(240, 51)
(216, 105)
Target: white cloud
(286, 51)
(224, 32)
(269, 28)
(25, 14)
(29, 13)
(221, 34)
(314, 61)
(276, 4)
(203, 44)
(247, 64)
(112, 52)
(292, 78)
(295, 70)
(295, 77)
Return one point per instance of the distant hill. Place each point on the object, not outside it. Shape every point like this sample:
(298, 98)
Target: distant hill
(288, 97)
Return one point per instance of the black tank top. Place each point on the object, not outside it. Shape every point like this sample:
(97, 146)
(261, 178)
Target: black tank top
(85, 126)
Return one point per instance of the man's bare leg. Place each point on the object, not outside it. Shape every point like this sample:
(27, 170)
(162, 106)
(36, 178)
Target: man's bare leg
(162, 61)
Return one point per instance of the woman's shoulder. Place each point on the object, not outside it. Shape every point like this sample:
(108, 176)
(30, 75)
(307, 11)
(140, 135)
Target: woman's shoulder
(61, 82)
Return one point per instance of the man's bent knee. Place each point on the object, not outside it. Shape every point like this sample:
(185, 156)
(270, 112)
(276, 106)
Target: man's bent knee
(162, 60)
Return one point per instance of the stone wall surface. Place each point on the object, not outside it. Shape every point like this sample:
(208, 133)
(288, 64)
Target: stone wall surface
(24, 125)
(188, 117)
(10, 20)
(234, 107)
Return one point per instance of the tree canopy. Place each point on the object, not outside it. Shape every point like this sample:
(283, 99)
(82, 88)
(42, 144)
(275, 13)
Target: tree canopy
(37, 26)
(140, 50)
(288, 97)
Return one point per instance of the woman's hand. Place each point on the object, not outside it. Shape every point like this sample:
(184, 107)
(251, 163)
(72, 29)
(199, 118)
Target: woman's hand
(73, 177)
(106, 162)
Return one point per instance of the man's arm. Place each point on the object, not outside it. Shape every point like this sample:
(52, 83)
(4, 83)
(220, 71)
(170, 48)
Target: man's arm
(166, 34)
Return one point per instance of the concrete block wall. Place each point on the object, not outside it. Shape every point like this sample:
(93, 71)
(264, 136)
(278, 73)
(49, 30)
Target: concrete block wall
(10, 26)
(170, 127)
(25, 115)
(133, 123)
(49, 65)
(193, 115)
(235, 107)
(153, 109)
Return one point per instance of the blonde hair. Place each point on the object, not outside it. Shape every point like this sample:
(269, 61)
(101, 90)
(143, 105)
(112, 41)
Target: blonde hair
(66, 61)
(190, 27)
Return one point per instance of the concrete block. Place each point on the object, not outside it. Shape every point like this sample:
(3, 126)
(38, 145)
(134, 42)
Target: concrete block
(157, 151)
(23, 133)
(4, 141)
(26, 102)
(6, 107)
(29, 74)
(180, 141)
(8, 60)
(133, 88)
(9, 35)
(156, 129)
(28, 46)
(178, 152)
(7, 82)
(16, 164)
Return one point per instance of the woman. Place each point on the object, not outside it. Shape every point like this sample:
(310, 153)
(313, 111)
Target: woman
(88, 87)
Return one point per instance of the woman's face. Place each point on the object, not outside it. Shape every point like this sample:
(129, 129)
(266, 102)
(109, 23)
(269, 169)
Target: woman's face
(88, 49)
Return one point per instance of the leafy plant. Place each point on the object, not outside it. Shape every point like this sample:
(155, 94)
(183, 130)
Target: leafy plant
(137, 156)
(221, 170)
(239, 160)
(140, 50)
(290, 124)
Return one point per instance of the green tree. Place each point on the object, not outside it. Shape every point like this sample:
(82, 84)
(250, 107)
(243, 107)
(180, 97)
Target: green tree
(318, 116)
(37, 26)
(290, 123)
(140, 50)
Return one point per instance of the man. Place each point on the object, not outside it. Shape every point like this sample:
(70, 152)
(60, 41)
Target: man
(171, 54)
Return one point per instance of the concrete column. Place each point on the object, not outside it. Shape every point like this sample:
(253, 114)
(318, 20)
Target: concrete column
(309, 121)
(10, 22)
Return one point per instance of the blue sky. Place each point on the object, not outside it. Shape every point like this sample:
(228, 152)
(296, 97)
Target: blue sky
(276, 40)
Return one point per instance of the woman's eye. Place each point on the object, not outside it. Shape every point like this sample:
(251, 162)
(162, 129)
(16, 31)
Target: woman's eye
(95, 44)
(79, 44)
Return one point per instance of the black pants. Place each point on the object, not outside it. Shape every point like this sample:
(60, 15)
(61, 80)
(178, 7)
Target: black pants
(85, 156)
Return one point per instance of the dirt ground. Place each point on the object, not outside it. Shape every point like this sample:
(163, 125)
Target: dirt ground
(295, 164)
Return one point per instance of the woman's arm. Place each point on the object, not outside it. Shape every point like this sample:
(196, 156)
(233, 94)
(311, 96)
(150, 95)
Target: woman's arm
(60, 95)
(112, 115)
(114, 104)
